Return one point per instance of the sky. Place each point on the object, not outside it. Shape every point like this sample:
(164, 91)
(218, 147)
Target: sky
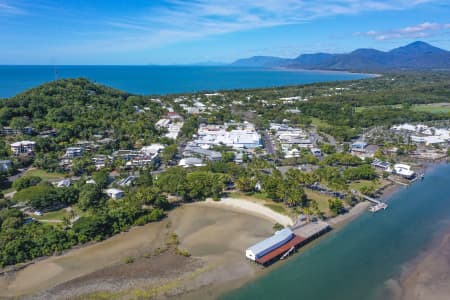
(138, 32)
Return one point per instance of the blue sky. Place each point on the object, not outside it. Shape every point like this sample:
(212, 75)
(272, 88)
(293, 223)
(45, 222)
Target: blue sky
(183, 32)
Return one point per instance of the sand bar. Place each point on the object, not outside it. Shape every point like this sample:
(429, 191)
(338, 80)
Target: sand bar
(249, 207)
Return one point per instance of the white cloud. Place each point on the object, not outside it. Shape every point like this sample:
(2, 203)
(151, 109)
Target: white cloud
(186, 20)
(178, 20)
(417, 31)
(7, 9)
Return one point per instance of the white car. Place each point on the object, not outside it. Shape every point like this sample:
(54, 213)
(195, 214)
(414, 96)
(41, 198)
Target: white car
(38, 213)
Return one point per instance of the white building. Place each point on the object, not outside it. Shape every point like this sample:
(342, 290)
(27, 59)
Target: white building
(72, 152)
(280, 238)
(63, 183)
(23, 147)
(152, 149)
(404, 171)
(115, 193)
(191, 162)
(243, 137)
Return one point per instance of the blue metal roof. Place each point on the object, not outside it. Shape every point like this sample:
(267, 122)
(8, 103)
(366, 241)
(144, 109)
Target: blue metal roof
(279, 238)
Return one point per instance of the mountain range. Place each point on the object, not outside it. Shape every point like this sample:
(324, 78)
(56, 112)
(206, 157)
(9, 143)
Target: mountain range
(415, 56)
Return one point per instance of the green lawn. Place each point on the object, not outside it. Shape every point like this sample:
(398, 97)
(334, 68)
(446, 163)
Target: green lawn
(44, 175)
(321, 199)
(434, 108)
(54, 215)
(318, 122)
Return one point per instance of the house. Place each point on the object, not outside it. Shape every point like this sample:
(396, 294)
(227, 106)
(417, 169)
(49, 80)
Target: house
(191, 162)
(115, 193)
(5, 165)
(126, 181)
(11, 131)
(23, 147)
(381, 164)
(404, 171)
(72, 152)
(100, 161)
(152, 149)
(63, 183)
(211, 155)
(359, 147)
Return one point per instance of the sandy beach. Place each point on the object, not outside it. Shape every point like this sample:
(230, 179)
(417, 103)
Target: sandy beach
(250, 207)
(214, 233)
(216, 260)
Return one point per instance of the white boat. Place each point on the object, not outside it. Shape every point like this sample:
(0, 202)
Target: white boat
(378, 207)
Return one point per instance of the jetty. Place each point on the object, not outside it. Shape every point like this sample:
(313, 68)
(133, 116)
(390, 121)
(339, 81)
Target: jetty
(379, 205)
(285, 242)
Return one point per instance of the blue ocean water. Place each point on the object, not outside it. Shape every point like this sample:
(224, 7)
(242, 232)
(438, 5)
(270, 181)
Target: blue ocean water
(356, 263)
(148, 80)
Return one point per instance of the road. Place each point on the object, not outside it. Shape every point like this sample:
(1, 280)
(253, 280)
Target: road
(267, 141)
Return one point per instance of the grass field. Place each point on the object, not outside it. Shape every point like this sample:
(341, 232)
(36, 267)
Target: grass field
(54, 215)
(318, 122)
(321, 199)
(44, 175)
(433, 108)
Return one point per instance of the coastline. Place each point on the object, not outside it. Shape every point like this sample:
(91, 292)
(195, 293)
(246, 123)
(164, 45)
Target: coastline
(369, 75)
(214, 267)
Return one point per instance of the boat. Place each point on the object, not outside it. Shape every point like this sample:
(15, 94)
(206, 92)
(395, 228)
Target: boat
(377, 207)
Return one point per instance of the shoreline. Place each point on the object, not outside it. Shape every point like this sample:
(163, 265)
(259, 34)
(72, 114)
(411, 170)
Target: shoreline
(369, 75)
(207, 262)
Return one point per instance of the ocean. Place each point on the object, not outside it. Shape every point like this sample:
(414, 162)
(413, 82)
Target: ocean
(159, 80)
(360, 260)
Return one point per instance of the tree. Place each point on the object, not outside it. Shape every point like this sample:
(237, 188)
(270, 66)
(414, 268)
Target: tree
(173, 181)
(26, 181)
(245, 183)
(144, 179)
(169, 153)
(336, 206)
(101, 178)
(91, 197)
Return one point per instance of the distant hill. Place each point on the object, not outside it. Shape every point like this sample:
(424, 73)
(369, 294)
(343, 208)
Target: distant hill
(415, 56)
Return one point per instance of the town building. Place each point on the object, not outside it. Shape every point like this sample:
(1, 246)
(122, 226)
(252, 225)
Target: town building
(191, 162)
(242, 136)
(115, 193)
(63, 183)
(404, 171)
(72, 152)
(23, 147)
(280, 238)
(128, 181)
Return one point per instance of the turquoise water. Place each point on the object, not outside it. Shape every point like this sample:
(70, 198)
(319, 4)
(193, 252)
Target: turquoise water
(162, 79)
(354, 263)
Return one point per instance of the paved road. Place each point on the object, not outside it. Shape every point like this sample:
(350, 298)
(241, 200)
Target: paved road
(18, 175)
(267, 141)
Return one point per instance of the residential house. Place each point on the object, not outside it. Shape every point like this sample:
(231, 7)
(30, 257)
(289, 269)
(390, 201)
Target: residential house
(23, 147)
(115, 193)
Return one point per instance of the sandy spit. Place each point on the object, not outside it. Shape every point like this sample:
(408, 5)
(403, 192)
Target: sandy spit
(249, 207)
